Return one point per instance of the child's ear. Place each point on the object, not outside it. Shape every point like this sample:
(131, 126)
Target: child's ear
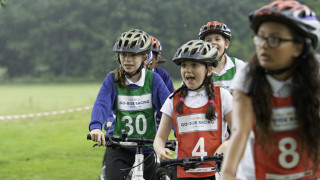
(145, 58)
(298, 51)
(227, 43)
(210, 69)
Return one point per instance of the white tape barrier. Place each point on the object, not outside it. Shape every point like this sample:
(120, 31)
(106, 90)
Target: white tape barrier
(44, 113)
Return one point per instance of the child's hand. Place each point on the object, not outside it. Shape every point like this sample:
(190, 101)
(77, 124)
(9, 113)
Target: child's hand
(98, 136)
(163, 154)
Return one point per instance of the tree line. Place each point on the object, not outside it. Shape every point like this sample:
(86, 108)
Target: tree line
(74, 38)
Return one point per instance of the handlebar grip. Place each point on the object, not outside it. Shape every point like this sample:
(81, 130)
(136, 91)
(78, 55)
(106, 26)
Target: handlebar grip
(88, 136)
(169, 161)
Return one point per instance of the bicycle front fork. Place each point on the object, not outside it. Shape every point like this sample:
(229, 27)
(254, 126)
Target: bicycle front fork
(138, 168)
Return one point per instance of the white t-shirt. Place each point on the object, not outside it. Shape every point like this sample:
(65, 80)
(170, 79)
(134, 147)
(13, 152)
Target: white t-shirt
(199, 99)
(229, 64)
(246, 169)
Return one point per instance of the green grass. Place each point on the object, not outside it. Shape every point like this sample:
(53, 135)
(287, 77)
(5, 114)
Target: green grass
(48, 147)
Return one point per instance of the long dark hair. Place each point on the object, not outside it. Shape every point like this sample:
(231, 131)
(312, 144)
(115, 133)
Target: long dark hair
(305, 94)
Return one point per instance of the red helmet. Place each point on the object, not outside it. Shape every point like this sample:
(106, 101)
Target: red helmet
(161, 59)
(215, 27)
(156, 46)
(290, 12)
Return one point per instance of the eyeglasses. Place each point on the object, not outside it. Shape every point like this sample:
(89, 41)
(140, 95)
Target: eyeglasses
(272, 42)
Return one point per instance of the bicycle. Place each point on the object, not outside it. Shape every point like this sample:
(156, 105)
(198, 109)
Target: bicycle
(191, 164)
(136, 172)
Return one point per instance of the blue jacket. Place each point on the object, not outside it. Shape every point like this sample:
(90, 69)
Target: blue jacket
(105, 101)
(165, 77)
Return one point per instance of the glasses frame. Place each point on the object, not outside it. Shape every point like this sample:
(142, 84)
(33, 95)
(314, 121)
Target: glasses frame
(259, 41)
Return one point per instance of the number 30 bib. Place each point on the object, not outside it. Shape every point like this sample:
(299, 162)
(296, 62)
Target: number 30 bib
(135, 110)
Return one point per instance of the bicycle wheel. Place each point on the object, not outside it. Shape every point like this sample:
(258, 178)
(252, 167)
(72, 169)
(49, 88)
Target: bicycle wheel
(163, 174)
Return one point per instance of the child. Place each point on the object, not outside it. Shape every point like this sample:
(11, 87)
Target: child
(276, 119)
(122, 92)
(218, 34)
(198, 110)
(152, 64)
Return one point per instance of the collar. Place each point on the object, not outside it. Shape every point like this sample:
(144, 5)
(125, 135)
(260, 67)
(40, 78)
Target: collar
(229, 64)
(139, 83)
(277, 85)
(194, 93)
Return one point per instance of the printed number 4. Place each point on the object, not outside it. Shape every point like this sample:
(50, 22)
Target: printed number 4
(139, 130)
(199, 146)
(288, 152)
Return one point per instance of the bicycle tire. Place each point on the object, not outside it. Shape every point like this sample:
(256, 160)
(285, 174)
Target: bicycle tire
(163, 174)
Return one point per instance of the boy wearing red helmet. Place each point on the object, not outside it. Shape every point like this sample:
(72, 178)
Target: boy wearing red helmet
(218, 34)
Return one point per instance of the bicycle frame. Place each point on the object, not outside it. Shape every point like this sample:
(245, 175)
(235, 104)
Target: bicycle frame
(139, 143)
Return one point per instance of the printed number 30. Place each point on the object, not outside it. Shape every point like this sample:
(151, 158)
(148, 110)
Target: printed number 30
(288, 152)
(140, 130)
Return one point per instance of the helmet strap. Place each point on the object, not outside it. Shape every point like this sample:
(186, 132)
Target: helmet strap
(133, 74)
(220, 58)
(277, 72)
(205, 82)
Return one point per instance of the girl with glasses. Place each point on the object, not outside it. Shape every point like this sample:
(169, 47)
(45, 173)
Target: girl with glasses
(276, 120)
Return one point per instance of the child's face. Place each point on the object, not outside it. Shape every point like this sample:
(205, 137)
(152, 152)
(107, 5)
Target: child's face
(278, 57)
(219, 41)
(130, 62)
(193, 73)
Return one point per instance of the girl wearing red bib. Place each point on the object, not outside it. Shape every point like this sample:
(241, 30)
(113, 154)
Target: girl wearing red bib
(276, 120)
(198, 110)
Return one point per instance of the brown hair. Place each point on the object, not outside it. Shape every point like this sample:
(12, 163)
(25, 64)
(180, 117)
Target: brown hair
(305, 97)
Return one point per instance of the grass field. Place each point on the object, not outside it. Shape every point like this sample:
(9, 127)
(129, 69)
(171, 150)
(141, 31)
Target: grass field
(48, 147)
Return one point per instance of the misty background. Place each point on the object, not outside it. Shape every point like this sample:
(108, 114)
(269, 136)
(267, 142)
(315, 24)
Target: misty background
(44, 41)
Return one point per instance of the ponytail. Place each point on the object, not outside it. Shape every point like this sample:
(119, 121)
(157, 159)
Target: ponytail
(183, 94)
(210, 114)
(119, 77)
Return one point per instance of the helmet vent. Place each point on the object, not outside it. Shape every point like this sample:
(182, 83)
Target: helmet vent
(204, 52)
(141, 44)
(119, 44)
(138, 35)
(302, 14)
(193, 51)
(133, 44)
(126, 43)
(185, 50)
(129, 35)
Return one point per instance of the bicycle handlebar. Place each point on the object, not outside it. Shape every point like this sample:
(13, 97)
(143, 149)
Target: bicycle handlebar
(121, 141)
(108, 138)
(191, 160)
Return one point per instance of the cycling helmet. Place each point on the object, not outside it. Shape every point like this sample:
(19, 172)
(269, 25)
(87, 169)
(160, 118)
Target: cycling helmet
(290, 12)
(156, 46)
(161, 59)
(197, 50)
(215, 27)
(133, 41)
